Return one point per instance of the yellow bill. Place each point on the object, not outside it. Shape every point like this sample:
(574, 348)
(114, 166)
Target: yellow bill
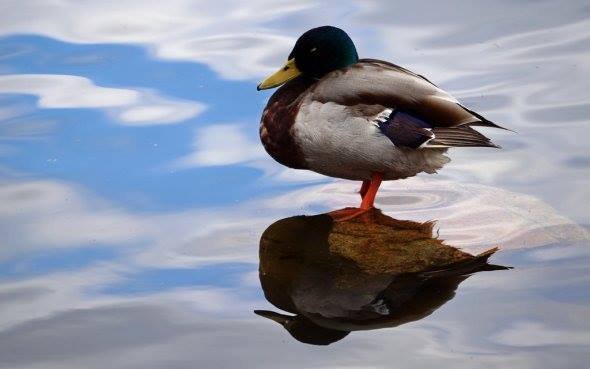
(283, 75)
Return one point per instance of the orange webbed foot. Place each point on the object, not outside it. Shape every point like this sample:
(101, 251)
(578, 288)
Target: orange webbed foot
(343, 215)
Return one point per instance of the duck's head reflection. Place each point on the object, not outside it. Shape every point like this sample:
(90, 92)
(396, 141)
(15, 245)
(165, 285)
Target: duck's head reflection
(369, 272)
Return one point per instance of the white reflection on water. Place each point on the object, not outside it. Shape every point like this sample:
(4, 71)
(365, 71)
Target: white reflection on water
(129, 106)
(41, 214)
(522, 64)
(469, 216)
(526, 71)
(217, 33)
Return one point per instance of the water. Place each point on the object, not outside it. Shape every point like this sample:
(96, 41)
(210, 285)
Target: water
(134, 190)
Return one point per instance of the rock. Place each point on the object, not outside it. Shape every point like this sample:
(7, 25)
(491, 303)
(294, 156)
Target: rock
(381, 244)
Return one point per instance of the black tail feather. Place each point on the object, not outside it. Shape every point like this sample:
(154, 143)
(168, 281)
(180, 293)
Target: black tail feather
(483, 122)
(462, 136)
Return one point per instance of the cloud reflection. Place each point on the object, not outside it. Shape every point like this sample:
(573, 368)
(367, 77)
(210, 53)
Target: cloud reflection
(41, 214)
(223, 144)
(523, 63)
(131, 107)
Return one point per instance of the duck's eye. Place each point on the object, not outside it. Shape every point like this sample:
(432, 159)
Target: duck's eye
(286, 67)
(313, 50)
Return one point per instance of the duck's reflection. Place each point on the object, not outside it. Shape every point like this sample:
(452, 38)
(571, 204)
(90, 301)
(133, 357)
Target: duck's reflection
(367, 273)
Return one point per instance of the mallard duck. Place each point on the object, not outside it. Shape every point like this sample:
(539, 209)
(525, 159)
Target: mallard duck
(360, 119)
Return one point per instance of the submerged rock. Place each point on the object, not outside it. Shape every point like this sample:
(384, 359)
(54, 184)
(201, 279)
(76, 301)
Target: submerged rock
(369, 272)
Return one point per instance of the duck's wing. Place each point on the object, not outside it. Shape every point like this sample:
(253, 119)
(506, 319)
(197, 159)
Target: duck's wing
(409, 109)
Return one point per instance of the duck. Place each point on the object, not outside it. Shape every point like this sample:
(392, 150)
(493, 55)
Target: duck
(365, 120)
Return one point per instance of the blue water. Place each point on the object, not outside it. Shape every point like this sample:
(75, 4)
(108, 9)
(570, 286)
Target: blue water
(134, 189)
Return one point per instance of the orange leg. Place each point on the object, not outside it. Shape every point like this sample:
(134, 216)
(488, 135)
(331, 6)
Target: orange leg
(364, 188)
(368, 192)
(369, 198)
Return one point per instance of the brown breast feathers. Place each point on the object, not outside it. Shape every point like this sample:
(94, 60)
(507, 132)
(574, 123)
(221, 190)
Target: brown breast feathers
(276, 125)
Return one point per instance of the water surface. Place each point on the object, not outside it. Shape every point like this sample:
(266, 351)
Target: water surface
(134, 191)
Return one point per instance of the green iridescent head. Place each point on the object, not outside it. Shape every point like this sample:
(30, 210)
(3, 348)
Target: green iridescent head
(317, 52)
